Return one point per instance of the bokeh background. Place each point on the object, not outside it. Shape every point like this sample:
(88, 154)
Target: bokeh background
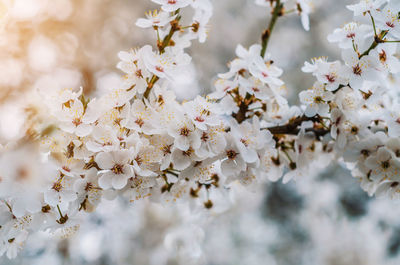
(322, 219)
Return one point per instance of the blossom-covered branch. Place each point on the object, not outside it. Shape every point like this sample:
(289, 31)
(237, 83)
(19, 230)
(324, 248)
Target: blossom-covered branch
(137, 141)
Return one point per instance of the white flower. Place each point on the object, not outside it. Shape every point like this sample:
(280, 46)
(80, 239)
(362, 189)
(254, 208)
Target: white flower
(349, 100)
(117, 168)
(393, 144)
(388, 19)
(60, 191)
(213, 142)
(104, 139)
(266, 72)
(202, 112)
(164, 65)
(13, 245)
(233, 162)
(249, 138)
(360, 70)
(271, 167)
(163, 144)
(390, 189)
(305, 7)
(136, 72)
(365, 5)
(361, 150)
(316, 99)
(144, 160)
(73, 119)
(184, 133)
(183, 159)
(255, 86)
(142, 119)
(154, 19)
(392, 119)
(200, 19)
(383, 165)
(246, 58)
(330, 73)
(222, 87)
(385, 53)
(350, 33)
(87, 188)
(172, 5)
(70, 167)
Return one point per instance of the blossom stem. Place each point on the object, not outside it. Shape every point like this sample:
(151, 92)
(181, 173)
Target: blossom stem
(291, 128)
(377, 40)
(290, 11)
(240, 116)
(172, 173)
(391, 41)
(373, 23)
(277, 12)
(59, 210)
(8, 205)
(161, 48)
(287, 155)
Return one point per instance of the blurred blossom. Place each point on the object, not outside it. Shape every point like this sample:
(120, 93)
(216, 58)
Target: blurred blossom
(55, 55)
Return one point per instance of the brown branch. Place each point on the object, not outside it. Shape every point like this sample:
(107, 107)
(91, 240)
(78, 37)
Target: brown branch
(161, 48)
(276, 12)
(240, 116)
(377, 40)
(292, 127)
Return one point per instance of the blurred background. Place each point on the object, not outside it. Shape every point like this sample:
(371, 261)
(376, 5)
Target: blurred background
(323, 219)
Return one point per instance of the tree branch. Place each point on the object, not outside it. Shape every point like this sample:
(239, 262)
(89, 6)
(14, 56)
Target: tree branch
(292, 128)
(161, 48)
(276, 12)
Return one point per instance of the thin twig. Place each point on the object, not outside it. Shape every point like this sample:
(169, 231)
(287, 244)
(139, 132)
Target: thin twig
(277, 12)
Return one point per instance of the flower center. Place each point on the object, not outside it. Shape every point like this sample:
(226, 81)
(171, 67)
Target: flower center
(318, 99)
(331, 78)
(390, 24)
(385, 164)
(117, 169)
(188, 152)
(357, 70)
(199, 119)
(138, 73)
(160, 69)
(382, 56)
(365, 152)
(139, 160)
(185, 131)
(354, 130)
(77, 122)
(245, 142)
(205, 137)
(57, 186)
(89, 186)
(231, 154)
(166, 149)
(139, 122)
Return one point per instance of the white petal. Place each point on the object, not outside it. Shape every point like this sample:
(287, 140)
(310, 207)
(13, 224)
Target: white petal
(105, 180)
(104, 160)
(119, 181)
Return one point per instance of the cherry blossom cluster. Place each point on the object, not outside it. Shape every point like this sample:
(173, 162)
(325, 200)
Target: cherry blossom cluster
(138, 141)
(357, 97)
